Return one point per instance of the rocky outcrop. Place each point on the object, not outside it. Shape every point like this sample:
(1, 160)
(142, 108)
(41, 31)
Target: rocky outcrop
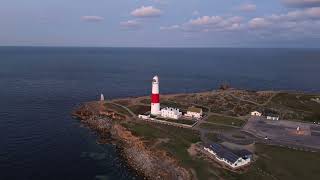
(153, 164)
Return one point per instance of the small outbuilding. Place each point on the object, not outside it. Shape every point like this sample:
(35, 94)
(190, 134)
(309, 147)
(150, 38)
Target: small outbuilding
(271, 116)
(194, 112)
(256, 113)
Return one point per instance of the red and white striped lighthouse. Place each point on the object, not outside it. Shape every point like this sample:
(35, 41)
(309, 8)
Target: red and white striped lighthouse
(155, 97)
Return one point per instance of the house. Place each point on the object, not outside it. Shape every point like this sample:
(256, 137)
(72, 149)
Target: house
(171, 113)
(256, 113)
(233, 159)
(272, 116)
(194, 112)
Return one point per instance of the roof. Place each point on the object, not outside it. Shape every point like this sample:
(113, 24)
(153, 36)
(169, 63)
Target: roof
(224, 153)
(272, 115)
(228, 154)
(194, 109)
(244, 153)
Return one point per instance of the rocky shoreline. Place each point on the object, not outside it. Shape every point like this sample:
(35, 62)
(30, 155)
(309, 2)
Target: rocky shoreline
(152, 164)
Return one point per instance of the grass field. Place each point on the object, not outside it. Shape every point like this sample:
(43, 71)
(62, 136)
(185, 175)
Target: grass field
(116, 108)
(301, 104)
(139, 109)
(174, 105)
(181, 121)
(212, 137)
(180, 141)
(284, 164)
(215, 127)
(226, 120)
(272, 163)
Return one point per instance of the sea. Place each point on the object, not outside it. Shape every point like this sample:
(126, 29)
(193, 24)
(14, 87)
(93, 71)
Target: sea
(40, 86)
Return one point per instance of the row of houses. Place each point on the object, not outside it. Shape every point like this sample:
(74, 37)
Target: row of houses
(175, 113)
(233, 159)
(270, 116)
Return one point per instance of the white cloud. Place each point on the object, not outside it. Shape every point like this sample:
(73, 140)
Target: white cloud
(258, 23)
(302, 3)
(247, 7)
(206, 20)
(208, 24)
(130, 24)
(146, 11)
(92, 18)
(168, 28)
(298, 15)
(195, 13)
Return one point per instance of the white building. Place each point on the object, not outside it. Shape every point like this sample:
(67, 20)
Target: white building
(172, 113)
(233, 160)
(194, 112)
(101, 97)
(275, 118)
(256, 113)
(272, 117)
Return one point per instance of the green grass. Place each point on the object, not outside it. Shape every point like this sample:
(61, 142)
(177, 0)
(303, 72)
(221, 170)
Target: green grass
(295, 101)
(174, 105)
(116, 108)
(180, 121)
(139, 109)
(215, 127)
(300, 104)
(238, 136)
(177, 146)
(145, 101)
(281, 163)
(226, 120)
(212, 137)
(284, 164)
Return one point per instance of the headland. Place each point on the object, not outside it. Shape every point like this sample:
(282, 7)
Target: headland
(169, 148)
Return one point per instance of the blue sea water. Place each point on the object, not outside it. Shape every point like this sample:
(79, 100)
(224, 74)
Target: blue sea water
(39, 87)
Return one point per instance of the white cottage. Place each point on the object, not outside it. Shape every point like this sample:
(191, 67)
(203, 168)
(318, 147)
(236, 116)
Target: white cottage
(172, 113)
(256, 113)
(194, 112)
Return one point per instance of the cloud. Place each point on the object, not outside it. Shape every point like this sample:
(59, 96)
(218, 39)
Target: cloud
(146, 11)
(303, 21)
(209, 23)
(298, 15)
(205, 20)
(169, 28)
(92, 18)
(130, 24)
(247, 7)
(195, 13)
(258, 23)
(302, 3)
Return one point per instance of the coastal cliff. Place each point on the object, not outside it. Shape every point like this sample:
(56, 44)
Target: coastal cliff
(152, 163)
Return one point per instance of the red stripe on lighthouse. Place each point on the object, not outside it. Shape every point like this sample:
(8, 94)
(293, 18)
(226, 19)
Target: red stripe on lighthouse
(155, 98)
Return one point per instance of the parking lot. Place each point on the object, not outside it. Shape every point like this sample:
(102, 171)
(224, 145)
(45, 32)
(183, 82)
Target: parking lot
(285, 133)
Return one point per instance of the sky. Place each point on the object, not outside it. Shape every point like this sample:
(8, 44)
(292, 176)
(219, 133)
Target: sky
(160, 23)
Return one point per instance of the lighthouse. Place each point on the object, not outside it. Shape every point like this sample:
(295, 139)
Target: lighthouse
(155, 97)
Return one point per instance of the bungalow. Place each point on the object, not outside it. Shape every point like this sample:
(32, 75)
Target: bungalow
(194, 112)
(234, 159)
(272, 116)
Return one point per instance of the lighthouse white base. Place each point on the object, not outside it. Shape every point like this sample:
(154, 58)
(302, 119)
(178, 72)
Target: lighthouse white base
(155, 109)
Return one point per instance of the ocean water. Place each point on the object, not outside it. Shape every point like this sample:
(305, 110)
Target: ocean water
(39, 87)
